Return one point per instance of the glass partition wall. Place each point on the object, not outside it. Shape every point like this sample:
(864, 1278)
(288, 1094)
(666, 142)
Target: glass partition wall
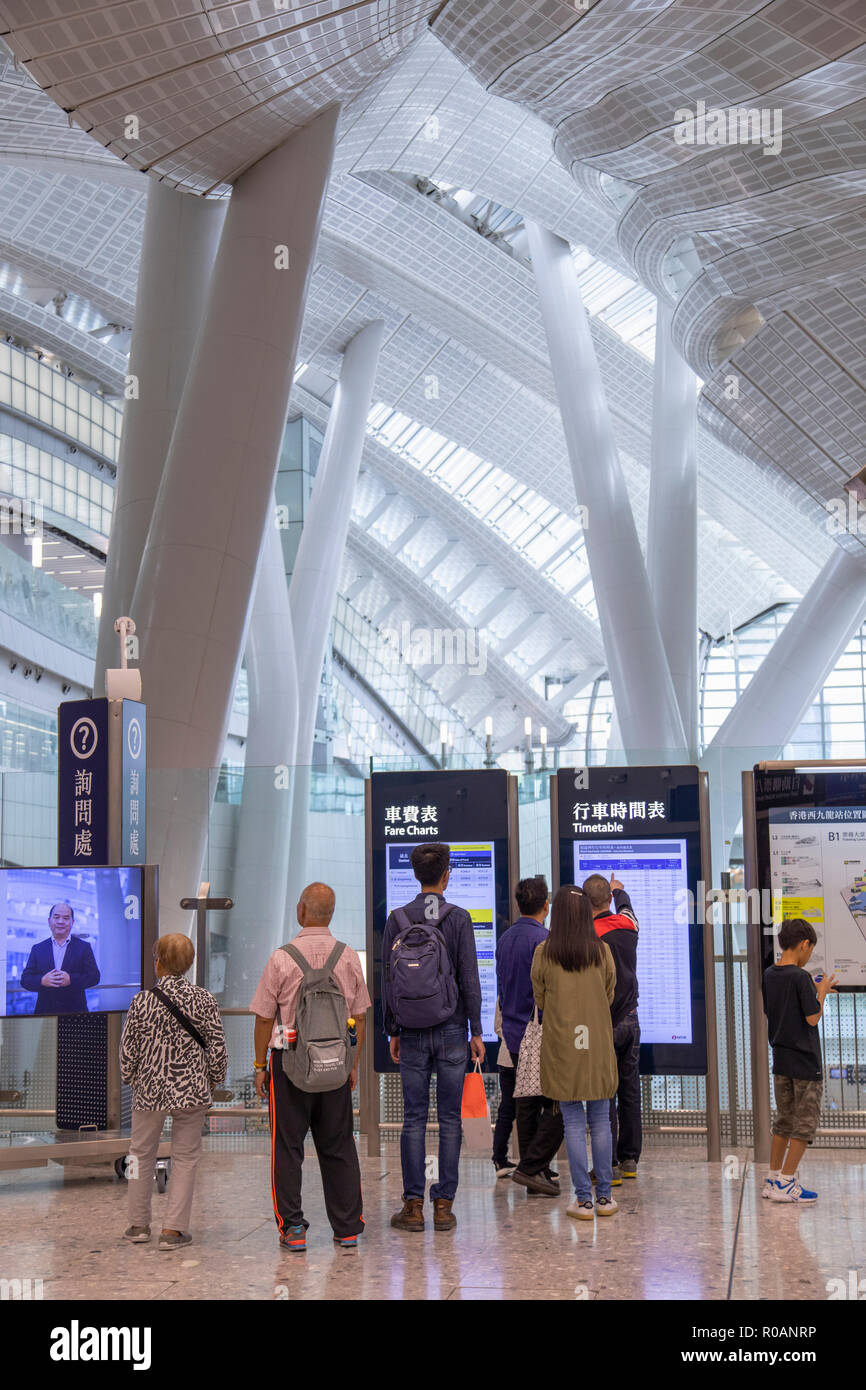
(329, 839)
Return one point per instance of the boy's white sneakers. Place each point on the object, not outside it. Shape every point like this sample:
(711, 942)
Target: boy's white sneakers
(789, 1190)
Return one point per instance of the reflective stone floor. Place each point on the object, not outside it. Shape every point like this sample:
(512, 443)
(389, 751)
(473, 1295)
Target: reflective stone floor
(686, 1229)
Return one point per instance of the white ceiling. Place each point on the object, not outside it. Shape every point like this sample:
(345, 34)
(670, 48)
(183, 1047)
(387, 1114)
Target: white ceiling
(563, 117)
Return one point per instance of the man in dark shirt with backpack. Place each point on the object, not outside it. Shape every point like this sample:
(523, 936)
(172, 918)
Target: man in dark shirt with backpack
(431, 992)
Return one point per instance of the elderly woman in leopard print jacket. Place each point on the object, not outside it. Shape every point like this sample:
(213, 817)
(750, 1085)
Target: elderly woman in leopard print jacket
(172, 1054)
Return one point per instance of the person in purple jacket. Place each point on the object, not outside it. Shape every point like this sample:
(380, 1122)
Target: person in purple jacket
(539, 1122)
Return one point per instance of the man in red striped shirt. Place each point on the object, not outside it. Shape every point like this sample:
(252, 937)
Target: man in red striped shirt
(293, 1112)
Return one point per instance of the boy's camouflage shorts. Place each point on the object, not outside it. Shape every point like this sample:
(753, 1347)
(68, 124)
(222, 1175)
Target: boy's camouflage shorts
(798, 1107)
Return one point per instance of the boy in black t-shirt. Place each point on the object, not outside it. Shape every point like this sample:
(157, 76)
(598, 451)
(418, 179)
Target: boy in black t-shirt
(793, 1005)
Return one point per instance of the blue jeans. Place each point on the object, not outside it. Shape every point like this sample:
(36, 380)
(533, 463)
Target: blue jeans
(423, 1052)
(575, 1119)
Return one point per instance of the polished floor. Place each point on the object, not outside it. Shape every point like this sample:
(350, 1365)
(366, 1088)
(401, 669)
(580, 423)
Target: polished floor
(686, 1229)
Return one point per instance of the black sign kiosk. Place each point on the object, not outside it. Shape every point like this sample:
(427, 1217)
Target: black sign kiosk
(649, 826)
(475, 813)
(101, 820)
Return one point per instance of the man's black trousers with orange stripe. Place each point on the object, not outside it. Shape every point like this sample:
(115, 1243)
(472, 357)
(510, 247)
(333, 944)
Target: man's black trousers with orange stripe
(328, 1114)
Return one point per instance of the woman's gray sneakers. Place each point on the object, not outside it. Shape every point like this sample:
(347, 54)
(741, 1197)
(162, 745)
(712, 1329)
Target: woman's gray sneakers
(137, 1234)
(174, 1242)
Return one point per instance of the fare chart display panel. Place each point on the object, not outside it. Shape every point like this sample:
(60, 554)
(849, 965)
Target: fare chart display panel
(468, 811)
(473, 886)
(812, 864)
(643, 825)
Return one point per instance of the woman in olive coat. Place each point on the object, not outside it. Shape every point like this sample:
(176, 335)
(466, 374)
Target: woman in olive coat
(573, 978)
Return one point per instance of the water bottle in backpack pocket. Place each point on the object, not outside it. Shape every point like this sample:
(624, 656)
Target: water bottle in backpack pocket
(420, 984)
(321, 1058)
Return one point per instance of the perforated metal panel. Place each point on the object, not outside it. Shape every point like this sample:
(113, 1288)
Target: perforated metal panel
(28, 1064)
(82, 1071)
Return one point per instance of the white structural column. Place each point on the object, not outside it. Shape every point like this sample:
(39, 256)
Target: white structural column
(199, 565)
(255, 925)
(777, 698)
(672, 528)
(316, 573)
(643, 690)
(180, 241)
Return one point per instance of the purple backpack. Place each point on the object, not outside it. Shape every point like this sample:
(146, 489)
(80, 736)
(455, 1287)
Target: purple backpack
(420, 984)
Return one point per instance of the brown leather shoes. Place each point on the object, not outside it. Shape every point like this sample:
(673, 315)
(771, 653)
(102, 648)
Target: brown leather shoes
(410, 1217)
(443, 1217)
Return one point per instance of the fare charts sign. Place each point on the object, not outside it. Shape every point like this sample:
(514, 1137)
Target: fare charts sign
(410, 822)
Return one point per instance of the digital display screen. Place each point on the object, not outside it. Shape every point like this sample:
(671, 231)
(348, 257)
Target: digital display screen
(818, 872)
(70, 940)
(472, 885)
(654, 873)
(474, 813)
(643, 825)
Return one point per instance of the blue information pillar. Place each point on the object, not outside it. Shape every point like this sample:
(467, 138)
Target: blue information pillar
(101, 820)
(101, 793)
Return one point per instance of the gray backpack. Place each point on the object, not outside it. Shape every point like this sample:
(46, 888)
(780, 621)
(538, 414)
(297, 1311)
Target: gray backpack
(321, 1059)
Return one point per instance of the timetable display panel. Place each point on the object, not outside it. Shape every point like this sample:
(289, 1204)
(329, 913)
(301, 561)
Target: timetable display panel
(643, 825)
(474, 813)
(655, 874)
(811, 836)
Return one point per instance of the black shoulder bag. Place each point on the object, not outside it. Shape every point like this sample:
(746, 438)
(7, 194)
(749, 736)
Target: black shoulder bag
(186, 1023)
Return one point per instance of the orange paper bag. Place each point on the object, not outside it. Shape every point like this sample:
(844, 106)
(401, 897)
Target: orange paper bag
(477, 1136)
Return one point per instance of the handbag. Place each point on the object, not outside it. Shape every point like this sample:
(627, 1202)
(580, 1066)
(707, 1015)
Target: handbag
(475, 1114)
(186, 1023)
(527, 1081)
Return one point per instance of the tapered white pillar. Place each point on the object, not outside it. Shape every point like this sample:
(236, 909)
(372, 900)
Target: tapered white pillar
(316, 573)
(776, 700)
(672, 527)
(643, 690)
(199, 565)
(774, 703)
(255, 925)
(180, 241)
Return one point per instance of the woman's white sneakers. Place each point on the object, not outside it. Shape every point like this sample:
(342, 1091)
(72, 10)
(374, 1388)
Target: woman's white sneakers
(584, 1211)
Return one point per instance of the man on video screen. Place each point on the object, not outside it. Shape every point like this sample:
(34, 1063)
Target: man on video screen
(60, 968)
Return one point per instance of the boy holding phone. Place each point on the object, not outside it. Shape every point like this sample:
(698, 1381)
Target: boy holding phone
(793, 1003)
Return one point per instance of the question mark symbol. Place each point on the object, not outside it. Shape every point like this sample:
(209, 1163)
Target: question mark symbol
(84, 736)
